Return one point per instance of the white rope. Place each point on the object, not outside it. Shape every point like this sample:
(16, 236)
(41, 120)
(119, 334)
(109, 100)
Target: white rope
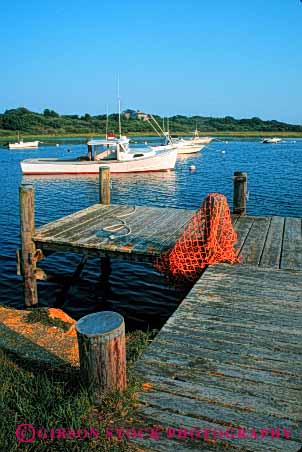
(119, 226)
(162, 131)
(154, 128)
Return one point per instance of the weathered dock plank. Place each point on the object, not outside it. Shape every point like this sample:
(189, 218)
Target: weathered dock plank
(273, 245)
(254, 243)
(292, 245)
(230, 356)
(242, 227)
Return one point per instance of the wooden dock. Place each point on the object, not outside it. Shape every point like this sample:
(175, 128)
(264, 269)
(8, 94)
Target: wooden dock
(133, 233)
(230, 356)
(153, 230)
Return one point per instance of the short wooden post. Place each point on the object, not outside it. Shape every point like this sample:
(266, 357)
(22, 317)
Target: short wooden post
(101, 338)
(27, 229)
(240, 191)
(104, 183)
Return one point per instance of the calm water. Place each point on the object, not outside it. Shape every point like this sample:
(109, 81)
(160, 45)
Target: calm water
(138, 291)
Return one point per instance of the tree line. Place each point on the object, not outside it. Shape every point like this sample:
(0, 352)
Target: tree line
(52, 123)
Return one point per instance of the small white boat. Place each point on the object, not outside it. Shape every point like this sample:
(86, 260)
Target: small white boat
(271, 140)
(200, 140)
(23, 144)
(187, 146)
(114, 153)
(182, 146)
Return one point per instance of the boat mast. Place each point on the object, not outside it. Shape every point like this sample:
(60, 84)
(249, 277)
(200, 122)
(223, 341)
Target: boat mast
(119, 106)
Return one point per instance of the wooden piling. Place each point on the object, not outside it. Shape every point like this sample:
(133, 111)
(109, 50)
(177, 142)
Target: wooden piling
(102, 350)
(240, 192)
(27, 229)
(104, 183)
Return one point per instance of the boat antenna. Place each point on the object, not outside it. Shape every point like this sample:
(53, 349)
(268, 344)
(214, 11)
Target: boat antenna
(119, 106)
(107, 121)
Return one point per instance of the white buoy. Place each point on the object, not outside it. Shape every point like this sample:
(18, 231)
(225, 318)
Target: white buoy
(57, 145)
(192, 167)
(222, 152)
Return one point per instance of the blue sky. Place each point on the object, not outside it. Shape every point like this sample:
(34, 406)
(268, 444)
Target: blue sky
(207, 57)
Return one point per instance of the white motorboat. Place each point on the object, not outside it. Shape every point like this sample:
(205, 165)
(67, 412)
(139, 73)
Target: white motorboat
(271, 140)
(187, 146)
(23, 144)
(114, 153)
(182, 146)
(200, 140)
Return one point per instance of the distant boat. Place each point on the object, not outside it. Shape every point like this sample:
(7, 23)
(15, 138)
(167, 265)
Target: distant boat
(181, 145)
(200, 140)
(271, 140)
(23, 144)
(20, 144)
(114, 153)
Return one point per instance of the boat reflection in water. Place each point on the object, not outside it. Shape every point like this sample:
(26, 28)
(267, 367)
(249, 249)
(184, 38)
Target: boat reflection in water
(125, 188)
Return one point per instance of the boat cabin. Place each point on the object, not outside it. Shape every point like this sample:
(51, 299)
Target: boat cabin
(110, 149)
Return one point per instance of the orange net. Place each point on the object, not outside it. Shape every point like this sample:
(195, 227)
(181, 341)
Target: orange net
(208, 238)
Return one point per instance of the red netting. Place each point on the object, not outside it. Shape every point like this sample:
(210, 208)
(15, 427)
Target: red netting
(208, 238)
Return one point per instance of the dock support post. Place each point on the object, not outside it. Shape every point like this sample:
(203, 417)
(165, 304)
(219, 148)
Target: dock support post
(240, 192)
(104, 183)
(102, 350)
(27, 229)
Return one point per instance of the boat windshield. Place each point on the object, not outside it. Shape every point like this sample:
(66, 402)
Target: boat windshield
(105, 152)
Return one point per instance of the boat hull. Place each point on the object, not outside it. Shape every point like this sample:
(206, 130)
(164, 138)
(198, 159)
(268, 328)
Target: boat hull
(202, 140)
(271, 140)
(189, 149)
(161, 161)
(182, 148)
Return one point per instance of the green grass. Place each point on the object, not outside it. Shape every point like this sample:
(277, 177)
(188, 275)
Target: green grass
(10, 137)
(41, 316)
(52, 398)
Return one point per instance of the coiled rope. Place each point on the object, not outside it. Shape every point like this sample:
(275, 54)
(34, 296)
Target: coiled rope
(113, 228)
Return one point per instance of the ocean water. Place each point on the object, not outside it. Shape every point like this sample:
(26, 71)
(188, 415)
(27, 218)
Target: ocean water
(138, 291)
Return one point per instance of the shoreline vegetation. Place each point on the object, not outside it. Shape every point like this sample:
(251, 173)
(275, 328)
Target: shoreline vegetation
(226, 134)
(50, 125)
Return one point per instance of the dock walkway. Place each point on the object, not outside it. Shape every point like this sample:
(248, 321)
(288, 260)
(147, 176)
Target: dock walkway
(230, 356)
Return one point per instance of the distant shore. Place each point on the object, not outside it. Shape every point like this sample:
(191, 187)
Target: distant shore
(251, 134)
